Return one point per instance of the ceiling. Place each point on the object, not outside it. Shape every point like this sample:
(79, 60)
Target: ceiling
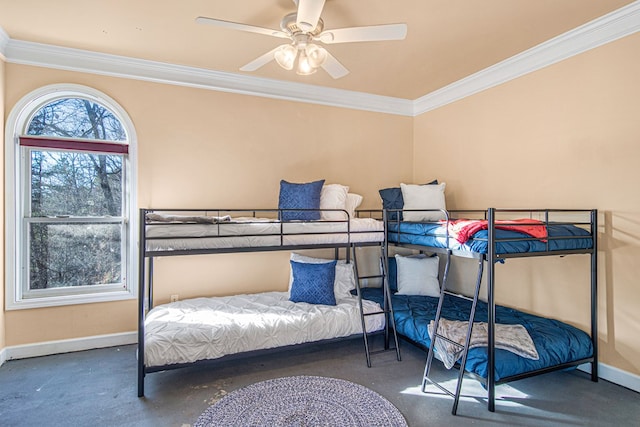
(446, 41)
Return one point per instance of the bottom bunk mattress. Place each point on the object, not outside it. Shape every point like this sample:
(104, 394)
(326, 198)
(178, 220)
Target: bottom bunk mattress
(556, 342)
(208, 328)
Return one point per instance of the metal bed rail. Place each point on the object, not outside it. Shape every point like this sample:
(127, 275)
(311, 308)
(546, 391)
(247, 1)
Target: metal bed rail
(281, 235)
(544, 217)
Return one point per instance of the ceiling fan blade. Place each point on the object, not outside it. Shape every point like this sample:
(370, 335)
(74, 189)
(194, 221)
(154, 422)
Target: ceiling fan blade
(260, 61)
(242, 27)
(308, 14)
(334, 67)
(364, 34)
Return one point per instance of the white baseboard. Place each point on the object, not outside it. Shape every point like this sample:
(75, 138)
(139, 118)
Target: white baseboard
(615, 375)
(3, 356)
(67, 346)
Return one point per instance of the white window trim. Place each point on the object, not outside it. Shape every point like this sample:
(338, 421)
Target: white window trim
(19, 116)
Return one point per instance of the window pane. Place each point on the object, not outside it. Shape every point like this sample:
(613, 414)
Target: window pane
(75, 183)
(62, 255)
(76, 118)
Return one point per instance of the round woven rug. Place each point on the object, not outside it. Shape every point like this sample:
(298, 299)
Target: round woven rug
(302, 401)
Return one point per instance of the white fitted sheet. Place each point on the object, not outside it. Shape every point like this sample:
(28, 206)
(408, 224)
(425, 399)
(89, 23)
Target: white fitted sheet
(244, 232)
(208, 328)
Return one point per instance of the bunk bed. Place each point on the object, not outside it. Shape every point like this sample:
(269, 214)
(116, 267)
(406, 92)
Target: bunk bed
(224, 326)
(489, 236)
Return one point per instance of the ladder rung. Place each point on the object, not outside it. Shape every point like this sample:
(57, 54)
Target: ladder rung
(449, 340)
(381, 351)
(453, 294)
(441, 387)
(374, 313)
(379, 276)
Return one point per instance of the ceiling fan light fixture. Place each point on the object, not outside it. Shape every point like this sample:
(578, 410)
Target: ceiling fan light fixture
(316, 55)
(285, 56)
(304, 27)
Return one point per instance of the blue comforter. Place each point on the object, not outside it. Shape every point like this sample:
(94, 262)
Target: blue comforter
(561, 237)
(555, 341)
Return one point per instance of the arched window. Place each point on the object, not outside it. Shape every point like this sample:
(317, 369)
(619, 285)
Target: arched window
(70, 177)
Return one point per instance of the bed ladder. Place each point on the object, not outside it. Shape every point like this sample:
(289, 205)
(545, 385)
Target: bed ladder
(435, 336)
(387, 309)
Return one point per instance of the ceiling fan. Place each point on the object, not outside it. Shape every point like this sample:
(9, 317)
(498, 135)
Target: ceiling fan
(305, 29)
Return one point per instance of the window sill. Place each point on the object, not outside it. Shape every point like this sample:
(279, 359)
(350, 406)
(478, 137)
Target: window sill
(63, 300)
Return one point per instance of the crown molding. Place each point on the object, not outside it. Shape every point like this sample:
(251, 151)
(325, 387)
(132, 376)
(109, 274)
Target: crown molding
(613, 26)
(64, 58)
(4, 40)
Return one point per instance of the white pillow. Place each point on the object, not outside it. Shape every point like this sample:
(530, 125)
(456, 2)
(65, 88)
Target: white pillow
(345, 280)
(333, 196)
(429, 196)
(353, 203)
(417, 276)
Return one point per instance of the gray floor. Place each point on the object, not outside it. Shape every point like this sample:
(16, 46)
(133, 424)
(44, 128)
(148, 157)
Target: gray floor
(98, 388)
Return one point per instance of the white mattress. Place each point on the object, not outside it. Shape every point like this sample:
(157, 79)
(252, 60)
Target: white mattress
(208, 328)
(257, 232)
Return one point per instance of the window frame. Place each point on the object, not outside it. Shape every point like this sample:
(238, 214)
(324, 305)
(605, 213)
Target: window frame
(18, 296)
(27, 219)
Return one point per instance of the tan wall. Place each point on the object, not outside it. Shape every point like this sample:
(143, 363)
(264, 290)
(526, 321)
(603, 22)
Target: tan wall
(200, 148)
(2, 315)
(566, 136)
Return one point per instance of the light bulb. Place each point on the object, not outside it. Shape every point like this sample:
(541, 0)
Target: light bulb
(285, 56)
(316, 55)
(304, 66)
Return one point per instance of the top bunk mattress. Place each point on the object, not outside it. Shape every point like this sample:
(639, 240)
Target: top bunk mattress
(559, 237)
(250, 232)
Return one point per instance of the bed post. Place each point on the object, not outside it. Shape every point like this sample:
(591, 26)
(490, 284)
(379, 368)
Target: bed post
(141, 296)
(594, 294)
(386, 299)
(491, 311)
(150, 283)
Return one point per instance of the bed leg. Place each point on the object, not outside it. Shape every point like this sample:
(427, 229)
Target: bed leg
(594, 294)
(141, 382)
(491, 310)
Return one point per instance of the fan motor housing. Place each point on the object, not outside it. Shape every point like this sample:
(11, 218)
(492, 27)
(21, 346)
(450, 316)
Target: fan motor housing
(289, 26)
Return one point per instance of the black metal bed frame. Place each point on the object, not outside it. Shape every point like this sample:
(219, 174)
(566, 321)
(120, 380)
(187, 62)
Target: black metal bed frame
(490, 215)
(145, 272)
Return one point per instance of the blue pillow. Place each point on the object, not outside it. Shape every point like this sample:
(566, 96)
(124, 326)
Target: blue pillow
(300, 196)
(392, 199)
(313, 283)
(392, 275)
